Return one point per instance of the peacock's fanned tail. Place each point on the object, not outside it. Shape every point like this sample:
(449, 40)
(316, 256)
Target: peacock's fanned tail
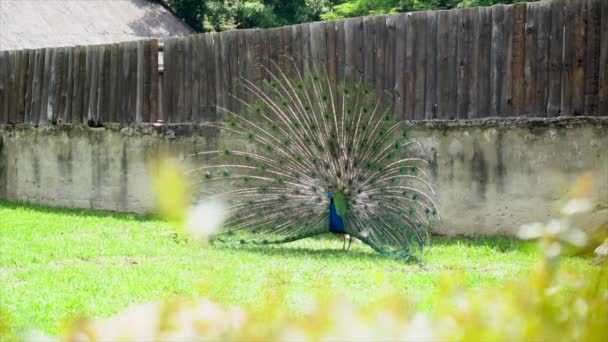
(300, 138)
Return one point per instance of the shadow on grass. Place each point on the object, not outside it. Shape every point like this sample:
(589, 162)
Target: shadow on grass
(77, 212)
(299, 252)
(500, 244)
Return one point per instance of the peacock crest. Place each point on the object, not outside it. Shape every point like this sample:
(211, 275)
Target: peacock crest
(306, 157)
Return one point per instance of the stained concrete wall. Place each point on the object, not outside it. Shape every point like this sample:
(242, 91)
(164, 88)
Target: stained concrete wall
(490, 176)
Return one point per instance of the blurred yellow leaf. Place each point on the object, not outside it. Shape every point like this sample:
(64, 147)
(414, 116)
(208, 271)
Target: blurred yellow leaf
(172, 190)
(582, 186)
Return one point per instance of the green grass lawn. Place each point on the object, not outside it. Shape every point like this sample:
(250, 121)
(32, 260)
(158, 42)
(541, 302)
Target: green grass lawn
(56, 264)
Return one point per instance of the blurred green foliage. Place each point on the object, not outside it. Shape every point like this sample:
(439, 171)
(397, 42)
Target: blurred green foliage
(223, 15)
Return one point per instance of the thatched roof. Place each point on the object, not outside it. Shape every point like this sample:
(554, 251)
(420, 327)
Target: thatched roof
(49, 23)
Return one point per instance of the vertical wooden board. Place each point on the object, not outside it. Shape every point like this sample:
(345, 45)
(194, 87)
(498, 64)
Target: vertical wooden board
(463, 64)
(29, 91)
(68, 95)
(108, 87)
(101, 88)
(400, 45)
(579, 56)
(181, 79)
(37, 86)
(389, 62)
(3, 88)
(195, 61)
(188, 79)
(568, 53)
(78, 84)
(497, 60)
(224, 66)
(409, 74)
(420, 41)
(10, 88)
(473, 91)
(139, 84)
(452, 66)
(87, 83)
(603, 63)
(592, 55)
(244, 61)
(132, 80)
(92, 115)
(530, 68)
(145, 80)
(519, 59)
(543, 58)
(62, 94)
(219, 75)
(443, 56)
(431, 66)
(380, 32)
(304, 30)
(207, 88)
(57, 75)
(233, 61)
(295, 47)
(114, 72)
(330, 40)
(23, 70)
(485, 63)
(207, 78)
(508, 31)
(556, 44)
(12, 85)
(167, 86)
(49, 86)
(341, 51)
(318, 47)
(123, 77)
(154, 94)
(368, 54)
(11, 76)
(353, 30)
(62, 82)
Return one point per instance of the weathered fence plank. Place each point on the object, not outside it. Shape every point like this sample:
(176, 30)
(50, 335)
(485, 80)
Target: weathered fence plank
(409, 74)
(567, 54)
(400, 45)
(579, 23)
(543, 61)
(443, 62)
(23, 68)
(463, 76)
(603, 62)
(29, 92)
(506, 93)
(4, 87)
(420, 61)
(497, 60)
(519, 59)
(530, 68)
(485, 62)
(556, 43)
(473, 91)
(430, 108)
(592, 55)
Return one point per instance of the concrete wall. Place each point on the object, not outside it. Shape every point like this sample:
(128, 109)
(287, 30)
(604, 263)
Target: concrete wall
(491, 176)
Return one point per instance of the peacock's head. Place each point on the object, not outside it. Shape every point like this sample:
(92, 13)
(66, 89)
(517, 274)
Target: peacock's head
(330, 194)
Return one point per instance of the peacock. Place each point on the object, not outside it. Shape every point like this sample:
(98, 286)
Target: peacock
(306, 156)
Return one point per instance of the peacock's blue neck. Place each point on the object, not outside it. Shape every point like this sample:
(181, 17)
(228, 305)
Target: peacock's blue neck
(336, 222)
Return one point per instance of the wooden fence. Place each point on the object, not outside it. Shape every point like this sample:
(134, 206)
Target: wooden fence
(83, 84)
(541, 59)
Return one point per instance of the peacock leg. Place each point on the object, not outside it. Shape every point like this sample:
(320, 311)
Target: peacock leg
(350, 241)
